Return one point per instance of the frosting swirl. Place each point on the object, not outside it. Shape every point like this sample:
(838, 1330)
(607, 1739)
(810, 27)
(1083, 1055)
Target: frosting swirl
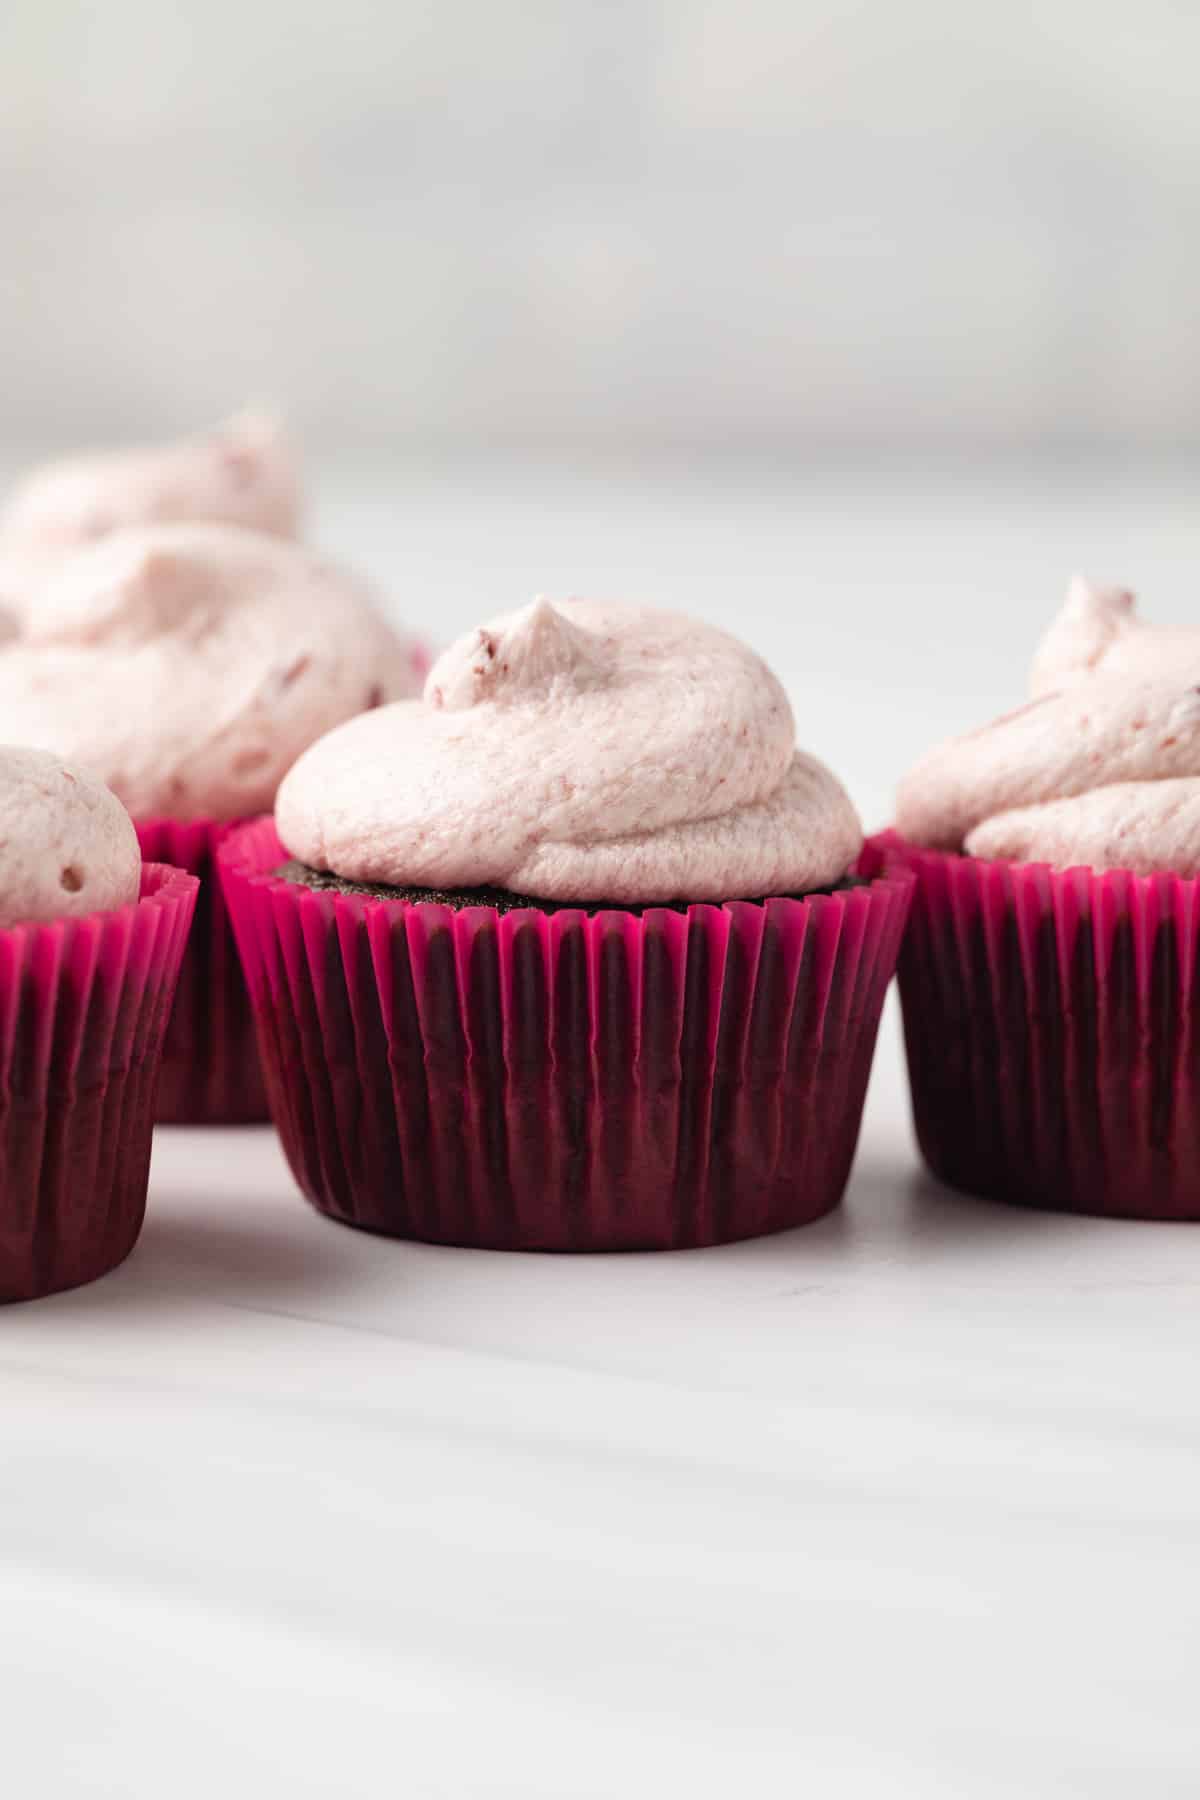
(1102, 768)
(578, 751)
(189, 665)
(242, 474)
(69, 845)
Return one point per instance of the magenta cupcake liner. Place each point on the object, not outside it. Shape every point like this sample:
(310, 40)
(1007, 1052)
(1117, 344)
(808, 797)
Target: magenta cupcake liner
(559, 1082)
(1048, 1017)
(211, 1072)
(83, 1010)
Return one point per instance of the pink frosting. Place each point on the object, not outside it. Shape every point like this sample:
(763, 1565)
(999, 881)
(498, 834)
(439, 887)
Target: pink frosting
(578, 751)
(242, 474)
(69, 847)
(1101, 769)
(189, 665)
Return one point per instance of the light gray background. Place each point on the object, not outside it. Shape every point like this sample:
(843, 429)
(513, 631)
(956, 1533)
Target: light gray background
(801, 225)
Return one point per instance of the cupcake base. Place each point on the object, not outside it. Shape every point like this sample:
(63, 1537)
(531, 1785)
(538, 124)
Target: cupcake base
(559, 1081)
(83, 1010)
(1048, 1019)
(503, 900)
(211, 1072)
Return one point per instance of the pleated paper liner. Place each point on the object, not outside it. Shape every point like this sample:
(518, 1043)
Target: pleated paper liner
(83, 1009)
(560, 1082)
(1050, 1019)
(211, 1071)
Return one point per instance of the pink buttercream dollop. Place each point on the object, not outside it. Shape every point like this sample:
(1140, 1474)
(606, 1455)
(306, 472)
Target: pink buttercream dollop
(244, 473)
(578, 751)
(189, 665)
(1102, 768)
(68, 845)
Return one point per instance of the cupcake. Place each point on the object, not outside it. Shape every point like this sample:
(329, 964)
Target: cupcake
(1048, 975)
(242, 474)
(575, 953)
(90, 948)
(188, 666)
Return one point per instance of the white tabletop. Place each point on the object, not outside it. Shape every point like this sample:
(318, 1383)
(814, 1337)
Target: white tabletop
(905, 1503)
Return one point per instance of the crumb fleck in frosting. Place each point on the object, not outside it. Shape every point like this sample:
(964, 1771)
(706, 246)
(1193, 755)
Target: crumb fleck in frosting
(69, 847)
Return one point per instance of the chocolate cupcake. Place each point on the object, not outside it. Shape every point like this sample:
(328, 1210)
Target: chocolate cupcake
(90, 948)
(188, 666)
(1048, 978)
(581, 1007)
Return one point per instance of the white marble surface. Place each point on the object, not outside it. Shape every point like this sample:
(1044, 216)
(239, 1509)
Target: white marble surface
(907, 1503)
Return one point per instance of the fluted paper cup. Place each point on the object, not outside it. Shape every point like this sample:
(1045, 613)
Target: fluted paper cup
(83, 1011)
(1049, 1022)
(562, 1081)
(211, 1073)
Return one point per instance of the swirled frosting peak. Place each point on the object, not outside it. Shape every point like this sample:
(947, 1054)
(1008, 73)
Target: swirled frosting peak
(69, 847)
(1102, 768)
(578, 751)
(189, 665)
(532, 648)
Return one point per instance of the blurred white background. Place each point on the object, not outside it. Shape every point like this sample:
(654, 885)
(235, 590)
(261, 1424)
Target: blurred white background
(807, 226)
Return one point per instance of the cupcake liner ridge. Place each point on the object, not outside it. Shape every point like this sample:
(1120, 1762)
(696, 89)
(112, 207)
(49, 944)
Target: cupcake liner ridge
(84, 1005)
(211, 1073)
(563, 1080)
(1048, 1020)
